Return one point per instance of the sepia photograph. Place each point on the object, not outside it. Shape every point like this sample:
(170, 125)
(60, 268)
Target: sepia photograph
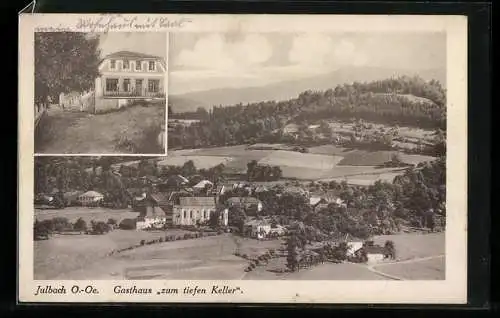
(313, 156)
(100, 93)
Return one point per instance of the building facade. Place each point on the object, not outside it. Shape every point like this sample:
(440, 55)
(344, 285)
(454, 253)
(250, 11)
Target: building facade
(126, 76)
(193, 210)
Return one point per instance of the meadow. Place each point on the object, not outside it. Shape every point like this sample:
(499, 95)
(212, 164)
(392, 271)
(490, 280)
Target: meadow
(327, 162)
(129, 130)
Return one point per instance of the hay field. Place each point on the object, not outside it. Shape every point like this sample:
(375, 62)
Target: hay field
(65, 253)
(300, 160)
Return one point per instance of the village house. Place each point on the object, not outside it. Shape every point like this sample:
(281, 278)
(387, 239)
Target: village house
(126, 76)
(258, 229)
(193, 210)
(174, 182)
(203, 185)
(374, 253)
(291, 129)
(156, 212)
(90, 198)
(71, 197)
(246, 203)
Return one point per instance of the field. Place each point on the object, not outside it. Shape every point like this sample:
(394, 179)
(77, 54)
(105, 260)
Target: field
(327, 162)
(88, 214)
(67, 132)
(84, 257)
(428, 269)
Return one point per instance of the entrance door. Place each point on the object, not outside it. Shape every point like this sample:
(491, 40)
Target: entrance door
(138, 87)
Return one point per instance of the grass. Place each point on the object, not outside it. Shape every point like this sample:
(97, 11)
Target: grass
(88, 214)
(415, 245)
(300, 160)
(366, 158)
(80, 133)
(212, 258)
(433, 269)
(66, 253)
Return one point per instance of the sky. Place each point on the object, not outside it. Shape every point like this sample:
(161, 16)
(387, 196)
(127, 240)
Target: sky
(199, 61)
(154, 43)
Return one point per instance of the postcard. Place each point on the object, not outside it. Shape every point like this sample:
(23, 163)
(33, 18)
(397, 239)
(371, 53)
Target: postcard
(242, 158)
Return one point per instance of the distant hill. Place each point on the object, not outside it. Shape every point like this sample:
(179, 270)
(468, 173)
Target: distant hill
(291, 89)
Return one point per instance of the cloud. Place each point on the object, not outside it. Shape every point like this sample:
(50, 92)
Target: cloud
(319, 50)
(216, 53)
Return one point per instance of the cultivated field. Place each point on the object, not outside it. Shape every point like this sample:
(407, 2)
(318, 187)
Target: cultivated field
(326, 162)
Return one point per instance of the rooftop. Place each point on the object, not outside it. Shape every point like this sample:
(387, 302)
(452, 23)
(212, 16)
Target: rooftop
(131, 55)
(197, 201)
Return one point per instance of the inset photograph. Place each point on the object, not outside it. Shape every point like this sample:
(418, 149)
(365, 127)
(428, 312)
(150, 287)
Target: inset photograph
(100, 93)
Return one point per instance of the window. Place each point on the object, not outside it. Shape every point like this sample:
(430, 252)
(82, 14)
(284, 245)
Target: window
(205, 214)
(138, 65)
(152, 65)
(111, 84)
(126, 85)
(153, 85)
(191, 214)
(126, 64)
(184, 212)
(112, 64)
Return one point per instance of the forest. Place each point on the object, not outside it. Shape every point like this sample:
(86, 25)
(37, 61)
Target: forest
(404, 100)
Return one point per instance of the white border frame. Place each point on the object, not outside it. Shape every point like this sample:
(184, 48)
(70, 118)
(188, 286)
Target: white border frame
(452, 290)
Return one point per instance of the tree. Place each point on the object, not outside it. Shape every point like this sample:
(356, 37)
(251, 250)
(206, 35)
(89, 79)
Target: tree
(292, 258)
(127, 224)
(80, 225)
(99, 227)
(64, 62)
(41, 230)
(390, 249)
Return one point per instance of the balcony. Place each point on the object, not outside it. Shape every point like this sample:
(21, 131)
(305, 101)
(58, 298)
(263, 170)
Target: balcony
(133, 94)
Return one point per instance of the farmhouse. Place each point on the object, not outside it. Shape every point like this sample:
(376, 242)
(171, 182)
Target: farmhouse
(291, 129)
(257, 228)
(157, 212)
(374, 253)
(202, 185)
(193, 210)
(90, 198)
(173, 182)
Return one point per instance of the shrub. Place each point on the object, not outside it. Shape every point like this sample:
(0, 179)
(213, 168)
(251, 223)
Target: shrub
(100, 227)
(143, 242)
(112, 222)
(128, 224)
(245, 256)
(80, 225)
(61, 224)
(160, 240)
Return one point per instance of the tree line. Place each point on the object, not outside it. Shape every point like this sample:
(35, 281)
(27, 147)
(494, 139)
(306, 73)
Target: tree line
(379, 101)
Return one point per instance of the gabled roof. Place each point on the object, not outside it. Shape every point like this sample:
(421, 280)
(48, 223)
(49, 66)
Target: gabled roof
(160, 198)
(197, 201)
(315, 200)
(131, 55)
(202, 184)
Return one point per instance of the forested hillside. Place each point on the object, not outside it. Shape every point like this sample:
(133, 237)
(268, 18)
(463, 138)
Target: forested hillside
(405, 100)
